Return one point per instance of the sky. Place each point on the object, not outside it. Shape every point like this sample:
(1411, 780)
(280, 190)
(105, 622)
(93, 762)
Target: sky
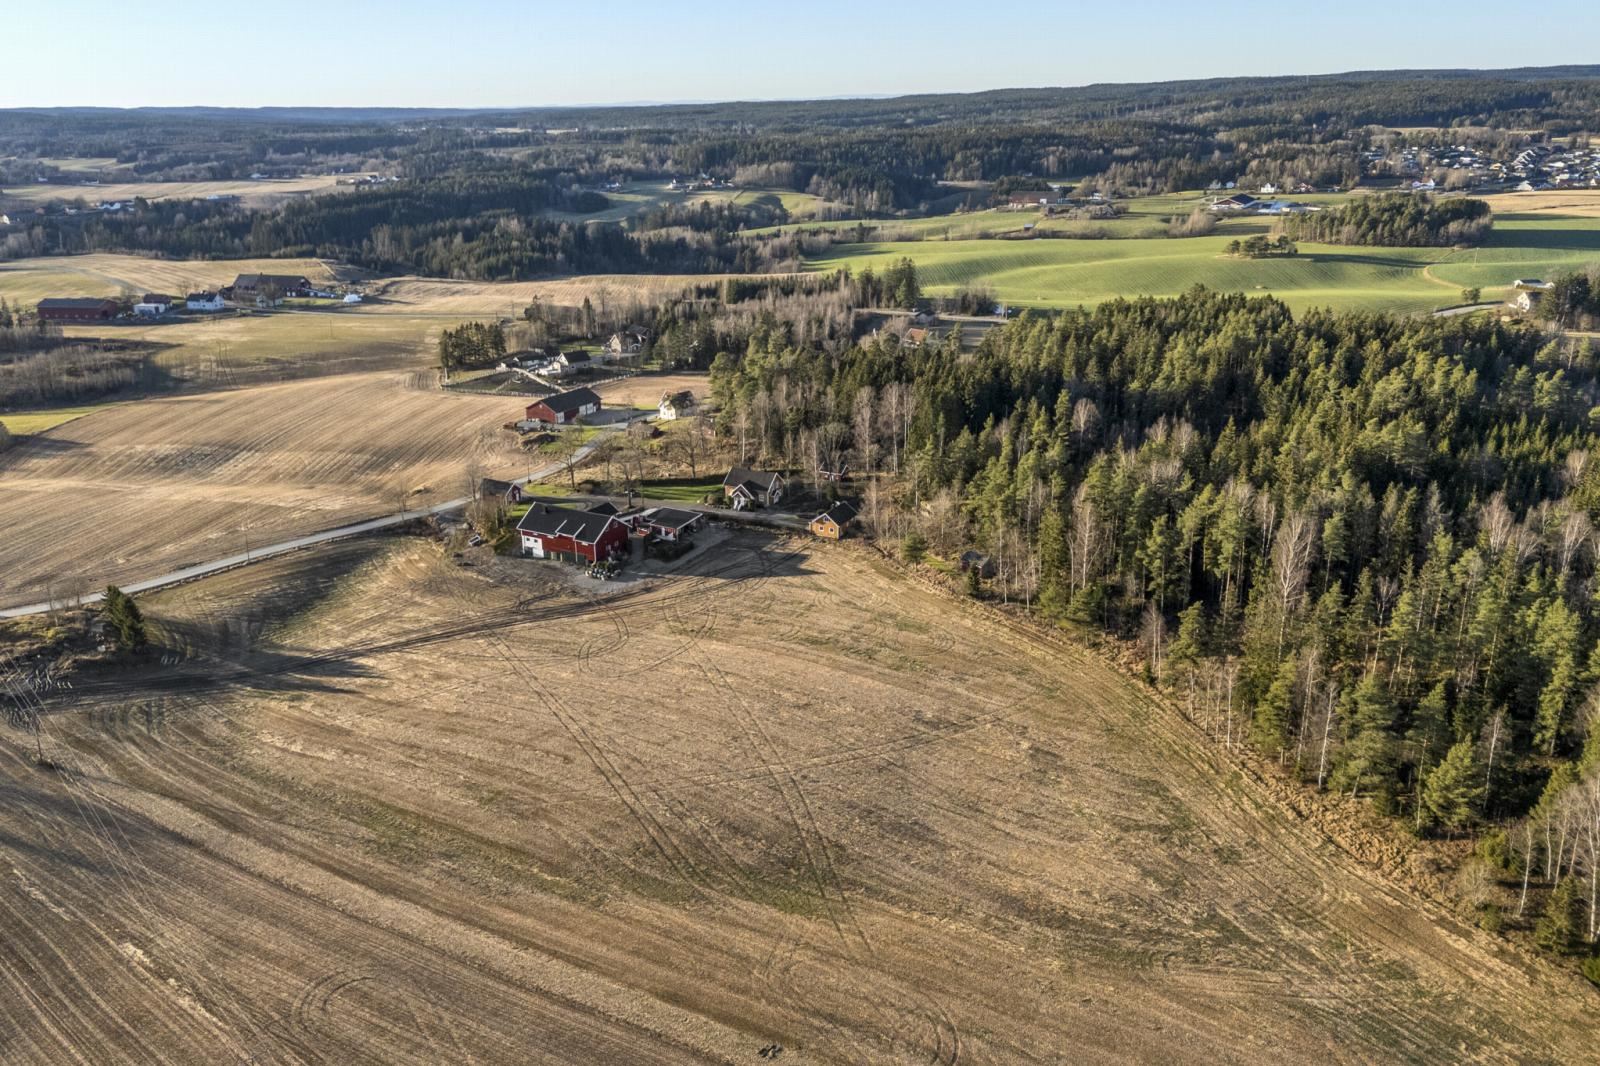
(502, 53)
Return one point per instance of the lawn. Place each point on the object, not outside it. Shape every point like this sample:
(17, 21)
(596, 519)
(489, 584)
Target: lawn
(681, 489)
(31, 422)
(1064, 272)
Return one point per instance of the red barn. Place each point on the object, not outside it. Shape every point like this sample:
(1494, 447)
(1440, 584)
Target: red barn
(76, 309)
(564, 407)
(563, 533)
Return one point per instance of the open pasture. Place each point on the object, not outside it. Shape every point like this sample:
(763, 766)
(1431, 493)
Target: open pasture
(138, 489)
(1064, 272)
(384, 809)
(638, 197)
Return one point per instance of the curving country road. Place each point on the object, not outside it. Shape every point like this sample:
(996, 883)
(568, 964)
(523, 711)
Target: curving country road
(189, 573)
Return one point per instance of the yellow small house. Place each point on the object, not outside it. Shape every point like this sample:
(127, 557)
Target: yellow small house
(832, 523)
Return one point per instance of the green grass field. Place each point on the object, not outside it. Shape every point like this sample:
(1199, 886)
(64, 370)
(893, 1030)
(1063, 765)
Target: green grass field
(680, 489)
(39, 421)
(638, 197)
(1064, 272)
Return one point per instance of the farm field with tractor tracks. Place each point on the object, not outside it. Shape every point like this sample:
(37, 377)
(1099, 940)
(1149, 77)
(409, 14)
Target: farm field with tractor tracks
(375, 807)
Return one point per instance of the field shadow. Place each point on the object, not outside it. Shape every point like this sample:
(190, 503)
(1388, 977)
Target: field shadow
(37, 447)
(1363, 259)
(1545, 240)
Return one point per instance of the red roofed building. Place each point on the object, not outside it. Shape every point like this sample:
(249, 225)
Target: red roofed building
(564, 533)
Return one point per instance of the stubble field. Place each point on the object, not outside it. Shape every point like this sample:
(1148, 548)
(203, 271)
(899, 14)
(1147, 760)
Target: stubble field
(389, 810)
(250, 193)
(137, 489)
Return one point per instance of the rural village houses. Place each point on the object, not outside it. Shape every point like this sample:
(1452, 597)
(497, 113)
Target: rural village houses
(564, 408)
(747, 489)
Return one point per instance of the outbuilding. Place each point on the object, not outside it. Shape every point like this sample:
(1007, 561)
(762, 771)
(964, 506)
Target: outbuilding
(76, 309)
(564, 407)
(672, 523)
(563, 533)
(491, 489)
(154, 304)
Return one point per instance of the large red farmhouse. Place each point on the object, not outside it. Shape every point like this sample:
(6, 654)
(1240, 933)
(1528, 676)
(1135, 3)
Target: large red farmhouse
(564, 407)
(76, 309)
(564, 533)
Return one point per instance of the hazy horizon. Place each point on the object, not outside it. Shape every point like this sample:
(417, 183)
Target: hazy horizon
(497, 55)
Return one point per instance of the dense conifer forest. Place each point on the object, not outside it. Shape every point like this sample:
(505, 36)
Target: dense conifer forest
(1398, 220)
(1363, 544)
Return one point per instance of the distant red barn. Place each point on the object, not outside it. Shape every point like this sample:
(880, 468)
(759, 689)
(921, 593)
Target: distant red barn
(76, 309)
(564, 407)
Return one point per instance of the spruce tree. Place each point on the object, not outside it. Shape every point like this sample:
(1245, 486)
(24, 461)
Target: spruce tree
(125, 618)
(1559, 928)
(1454, 788)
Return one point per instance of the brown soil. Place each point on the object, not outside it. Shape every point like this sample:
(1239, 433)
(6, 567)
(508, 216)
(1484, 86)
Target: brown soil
(386, 809)
(138, 489)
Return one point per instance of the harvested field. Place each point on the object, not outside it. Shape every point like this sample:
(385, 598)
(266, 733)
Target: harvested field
(1573, 203)
(27, 281)
(137, 489)
(645, 390)
(251, 193)
(390, 810)
(225, 350)
(506, 299)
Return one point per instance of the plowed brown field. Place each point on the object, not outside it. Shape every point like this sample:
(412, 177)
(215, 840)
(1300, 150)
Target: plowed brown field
(388, 810)
(139, 489)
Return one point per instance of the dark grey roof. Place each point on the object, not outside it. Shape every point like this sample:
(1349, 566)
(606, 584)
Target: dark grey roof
(673, 517)
(490, 487)
(841, 512)
(576, 357)
(583, 526)
(562, 402)
(760, 480)
(77, 303)
(604, 507)
(282, 281)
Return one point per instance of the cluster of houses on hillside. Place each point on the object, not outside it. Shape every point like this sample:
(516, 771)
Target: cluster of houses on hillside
(258, 291)
(622, 347)
(1299, 188)
(604, 533)
(698, 184)
(1244, 204)
(1536, 167)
